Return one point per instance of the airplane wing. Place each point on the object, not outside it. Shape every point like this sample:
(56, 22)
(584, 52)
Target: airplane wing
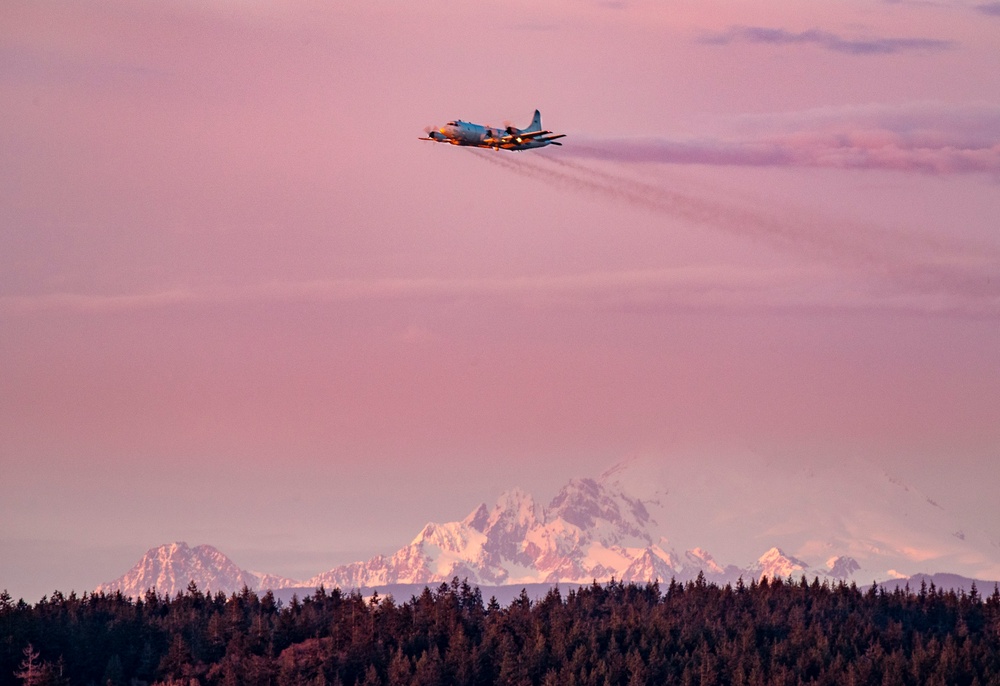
(525, 136)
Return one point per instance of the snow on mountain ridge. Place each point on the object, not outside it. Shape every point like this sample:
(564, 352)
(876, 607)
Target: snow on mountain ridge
(169, 569)
(842, 567)
(517, 508)
(776, 564)
(813, 507)
(478, 518)
(654, 563)
(631, 522)
(589, 531)
(609, 514)
(702, 559)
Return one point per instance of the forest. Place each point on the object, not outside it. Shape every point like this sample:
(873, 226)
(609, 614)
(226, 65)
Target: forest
(772, 631)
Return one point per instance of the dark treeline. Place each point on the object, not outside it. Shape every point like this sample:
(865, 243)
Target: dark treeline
(771, 632)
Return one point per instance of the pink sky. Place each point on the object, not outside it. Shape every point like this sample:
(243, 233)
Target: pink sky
(242, 304)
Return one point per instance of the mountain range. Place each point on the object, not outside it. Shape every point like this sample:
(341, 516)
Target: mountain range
(646, 519)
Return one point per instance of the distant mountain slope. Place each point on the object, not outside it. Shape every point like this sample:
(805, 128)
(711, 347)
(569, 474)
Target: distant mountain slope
(169, 569)
(845, 516)
(652, 518)
(589, 531)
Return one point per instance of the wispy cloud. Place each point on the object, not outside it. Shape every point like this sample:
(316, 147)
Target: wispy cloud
(722, 287)
(878, 45)
(990, 8)
(674, 284)
(926, 138)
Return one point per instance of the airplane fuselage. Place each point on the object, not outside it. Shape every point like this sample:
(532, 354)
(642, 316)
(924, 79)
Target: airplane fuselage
(460, 132)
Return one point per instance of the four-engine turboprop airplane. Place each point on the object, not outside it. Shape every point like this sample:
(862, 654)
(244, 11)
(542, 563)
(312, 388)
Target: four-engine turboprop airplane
(460, 132)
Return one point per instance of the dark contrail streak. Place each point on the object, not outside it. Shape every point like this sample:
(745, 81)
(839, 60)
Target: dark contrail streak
(904, 260)
(679, 205)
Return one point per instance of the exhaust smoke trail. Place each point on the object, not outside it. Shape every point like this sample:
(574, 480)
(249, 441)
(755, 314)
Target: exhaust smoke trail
(685, 207)
(908, 264)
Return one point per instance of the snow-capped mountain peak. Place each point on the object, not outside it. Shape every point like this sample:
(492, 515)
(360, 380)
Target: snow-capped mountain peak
(170, 568)
(589, 531)
(609, 514)
(842, 567)
(478, 518)
(515, 510)
(630, 523)
(704, 561)
(776, 564)
(736, 502)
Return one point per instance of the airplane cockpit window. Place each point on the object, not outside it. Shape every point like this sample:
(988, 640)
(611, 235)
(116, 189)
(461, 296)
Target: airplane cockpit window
(451, 123)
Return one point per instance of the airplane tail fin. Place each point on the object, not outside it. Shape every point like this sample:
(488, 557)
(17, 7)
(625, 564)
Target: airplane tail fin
(536, 122)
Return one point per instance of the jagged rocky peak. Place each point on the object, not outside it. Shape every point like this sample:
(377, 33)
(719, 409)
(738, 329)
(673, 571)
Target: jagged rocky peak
(478, 518)
(652, 565)
(170, 568)
(587, 504)
(515, 511)
(448, 536)
(842, 567)
(514, 515)
(604, 528)
(775, 563)
(703, 560)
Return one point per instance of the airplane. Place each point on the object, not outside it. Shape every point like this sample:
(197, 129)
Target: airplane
(460, 132)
